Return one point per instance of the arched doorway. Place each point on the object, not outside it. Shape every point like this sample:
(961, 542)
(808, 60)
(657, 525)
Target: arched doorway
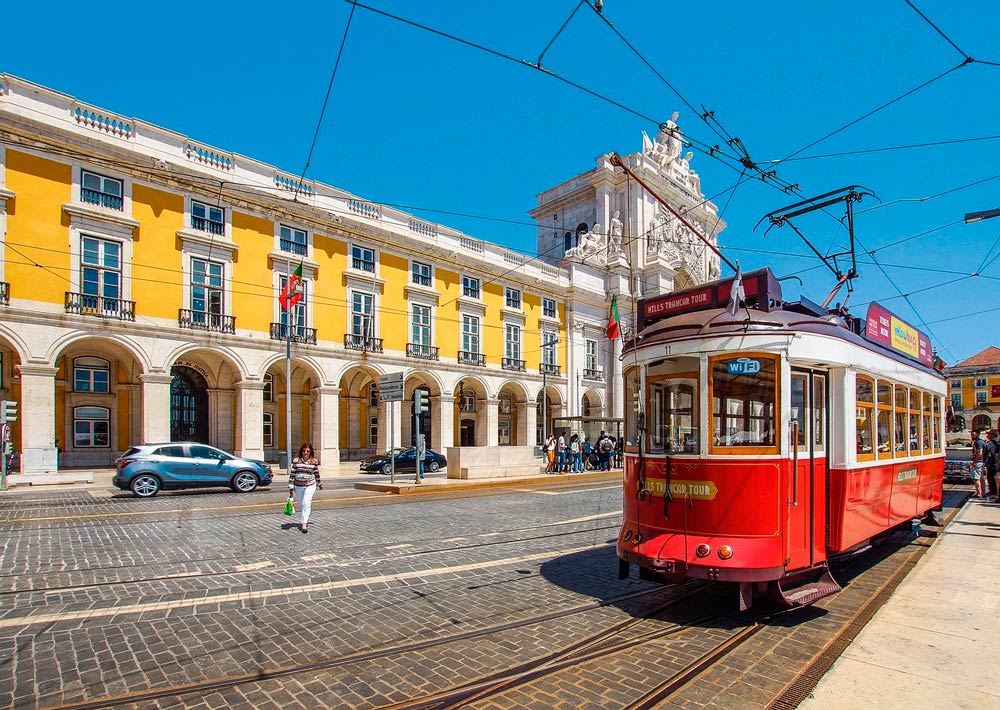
(188, 405)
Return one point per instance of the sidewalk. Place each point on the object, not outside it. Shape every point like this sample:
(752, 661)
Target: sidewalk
(932, 644)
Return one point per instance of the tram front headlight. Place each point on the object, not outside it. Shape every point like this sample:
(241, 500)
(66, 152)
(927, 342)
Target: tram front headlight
(725, 552)
(703, 550)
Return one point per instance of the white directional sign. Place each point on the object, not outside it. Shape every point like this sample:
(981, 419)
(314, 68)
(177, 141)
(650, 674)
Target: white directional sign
(390, 387)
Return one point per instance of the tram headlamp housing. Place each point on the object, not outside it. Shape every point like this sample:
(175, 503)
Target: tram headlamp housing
(725, 552)
(703, 550)
(627, 536)
(638, 538)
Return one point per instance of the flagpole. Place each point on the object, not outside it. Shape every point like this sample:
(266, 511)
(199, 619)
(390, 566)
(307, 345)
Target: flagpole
(288, 375)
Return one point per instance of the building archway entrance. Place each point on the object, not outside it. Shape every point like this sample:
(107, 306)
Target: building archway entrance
(467, 432)
(188, 405)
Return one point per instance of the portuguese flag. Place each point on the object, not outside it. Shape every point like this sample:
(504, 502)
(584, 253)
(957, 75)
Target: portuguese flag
(614, 322)
(292, 293)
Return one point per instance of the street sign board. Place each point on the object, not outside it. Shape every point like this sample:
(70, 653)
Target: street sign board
(391, 377)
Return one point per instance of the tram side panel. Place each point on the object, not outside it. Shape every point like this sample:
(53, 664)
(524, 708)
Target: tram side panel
(745, 505)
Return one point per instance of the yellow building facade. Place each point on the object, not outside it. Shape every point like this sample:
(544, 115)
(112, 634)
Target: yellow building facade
(139, 280)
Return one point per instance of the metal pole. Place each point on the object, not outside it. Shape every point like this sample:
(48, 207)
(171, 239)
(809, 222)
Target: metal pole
(416, 448)
(288, 378)
(4, 446)
(392, 441)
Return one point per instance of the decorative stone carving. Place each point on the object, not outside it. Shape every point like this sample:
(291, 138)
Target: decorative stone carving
(591, 248)
(615, 234)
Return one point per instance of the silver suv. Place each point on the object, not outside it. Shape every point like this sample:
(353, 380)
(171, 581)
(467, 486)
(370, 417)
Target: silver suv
(149, 468)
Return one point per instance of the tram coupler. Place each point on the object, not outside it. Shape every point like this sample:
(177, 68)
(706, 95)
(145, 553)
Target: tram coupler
(623, 569)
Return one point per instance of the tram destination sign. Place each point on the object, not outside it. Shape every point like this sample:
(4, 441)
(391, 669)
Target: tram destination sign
(760, 287)
(885, 328)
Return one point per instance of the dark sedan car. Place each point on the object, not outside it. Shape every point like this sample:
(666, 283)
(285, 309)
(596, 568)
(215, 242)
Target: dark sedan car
(148, 468)
(406, 460)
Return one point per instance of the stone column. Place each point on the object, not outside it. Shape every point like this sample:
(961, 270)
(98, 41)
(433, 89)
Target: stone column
(491, 420)
(326, 424)
(134, 408)
(389, 432)
(155, 407)
(220, 419)
(355, 426)
(38, 422)
(443, 414)
(527, 422)
(249, 419)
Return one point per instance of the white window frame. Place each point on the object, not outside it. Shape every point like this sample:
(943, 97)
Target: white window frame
(225, 226)
(267, 422)
(549, 342)
(980, 382)
(301, 312)
(509, 353)
(956, 384)
(268, 391)
(83, 172)
(292, 229)
(956, 400)
(221, 288)
(427, 327)
(353, 295)
(95, 364)
(512, 298)
(467, 282)
(981, 397)
(354, 259)
(549, 308)
(419, 272)
(591, 356)
(373, 432)
(92, 420)
(469, 335)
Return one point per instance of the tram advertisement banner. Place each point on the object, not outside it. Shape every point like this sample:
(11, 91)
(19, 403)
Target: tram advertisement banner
(887, 329)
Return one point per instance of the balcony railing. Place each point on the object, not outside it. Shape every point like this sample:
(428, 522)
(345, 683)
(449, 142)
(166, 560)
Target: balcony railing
(593, 375)
(200, 320)
(363, 343)
(467, 358)
(512, 363)
(548, 368)
(299, 333)
(363, 265)
(104, 199)
(292, 247)
(101, 306)
(207, 225)
(4, 293)
(421, 352)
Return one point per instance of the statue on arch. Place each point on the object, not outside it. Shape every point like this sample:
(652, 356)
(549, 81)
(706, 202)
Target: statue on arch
(615, 234)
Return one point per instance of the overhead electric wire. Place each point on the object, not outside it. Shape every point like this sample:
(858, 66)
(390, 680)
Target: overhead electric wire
(928, 197)
(937, 29)
(866, 151)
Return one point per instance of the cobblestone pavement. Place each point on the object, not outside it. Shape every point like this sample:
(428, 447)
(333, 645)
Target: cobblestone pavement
(384, 600)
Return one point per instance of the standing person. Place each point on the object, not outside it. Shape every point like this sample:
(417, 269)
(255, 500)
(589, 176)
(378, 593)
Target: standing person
(991, 456)
(588, 450)
(976, 469)
(561, 451)
(604, 447)
(576, 457)
(550, 454)
(303, 482)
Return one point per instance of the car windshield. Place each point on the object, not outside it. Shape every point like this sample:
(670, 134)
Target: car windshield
(395, 452)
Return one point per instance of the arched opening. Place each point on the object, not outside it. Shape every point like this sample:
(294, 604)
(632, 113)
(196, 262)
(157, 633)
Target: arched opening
(188, 405)
(981, 422)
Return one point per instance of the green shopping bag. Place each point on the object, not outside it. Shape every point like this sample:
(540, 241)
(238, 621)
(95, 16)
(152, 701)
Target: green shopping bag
(289, 507)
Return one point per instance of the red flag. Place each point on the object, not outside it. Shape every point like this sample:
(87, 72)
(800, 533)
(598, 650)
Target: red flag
(292, 293)
(614, 323)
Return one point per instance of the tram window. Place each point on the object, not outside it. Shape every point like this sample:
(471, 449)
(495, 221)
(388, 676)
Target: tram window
(673, 415)
(798, 403)
(914, 439)
(819, 412)
(901, 417)
(864, 415)
(936, 425)
(883, 419)
(925, 439)
(744, 402)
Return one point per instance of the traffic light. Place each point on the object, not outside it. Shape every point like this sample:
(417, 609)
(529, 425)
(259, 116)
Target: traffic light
(419, 401)
(8, 411)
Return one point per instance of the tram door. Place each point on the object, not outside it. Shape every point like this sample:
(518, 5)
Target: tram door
(807, 450)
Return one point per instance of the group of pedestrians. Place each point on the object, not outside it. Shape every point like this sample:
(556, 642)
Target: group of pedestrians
(576, 455)
(985, 457)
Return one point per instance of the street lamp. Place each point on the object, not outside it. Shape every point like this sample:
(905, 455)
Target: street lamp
(971, 217)
(545, 395)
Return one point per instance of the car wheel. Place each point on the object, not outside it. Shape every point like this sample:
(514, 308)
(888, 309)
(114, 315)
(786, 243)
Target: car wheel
(387, 468)
(244, 482)
(433, 466)
(145, 486)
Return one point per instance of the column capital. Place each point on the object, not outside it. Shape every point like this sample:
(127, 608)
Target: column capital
(249, 385)
(37, 370)
(155, 378)
(326, 389)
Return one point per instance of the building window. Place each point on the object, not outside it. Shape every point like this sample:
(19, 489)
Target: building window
(373, 395)
(980, 398)
(506, 405)
(91, 427)
(467, 400)
(99, 190)
(268, 430)
(207, 218)
(512, 342)
(590, 355)
(503, 432)
(373, 432)
(980, 382)
(421, 325)
(470, 287)
(206, 291)
(549, 348)
(91, 374)
(420, 274)
(548, 308)
(470, 334)
(956, 384)
(361, 314)
(956, 401)
(292, 240)
(101, 273)
(268, 387)
(363, 259)
(512, 298)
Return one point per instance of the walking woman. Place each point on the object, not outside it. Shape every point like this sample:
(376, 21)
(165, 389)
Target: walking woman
(303, 481)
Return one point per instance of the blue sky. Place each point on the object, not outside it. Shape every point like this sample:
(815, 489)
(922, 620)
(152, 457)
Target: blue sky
(418, 120)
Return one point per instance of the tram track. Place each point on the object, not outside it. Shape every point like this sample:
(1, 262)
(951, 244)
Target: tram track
(677, 594)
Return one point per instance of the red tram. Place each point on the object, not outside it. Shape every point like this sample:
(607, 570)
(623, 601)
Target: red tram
(769, 441)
